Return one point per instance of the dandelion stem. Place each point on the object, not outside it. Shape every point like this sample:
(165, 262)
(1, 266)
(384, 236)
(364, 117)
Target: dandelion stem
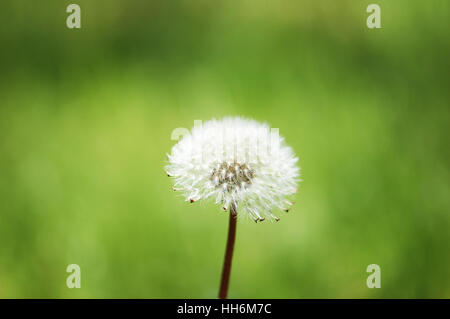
(223, 291)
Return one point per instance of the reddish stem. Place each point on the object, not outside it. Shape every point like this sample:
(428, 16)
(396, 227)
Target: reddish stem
(223, 291)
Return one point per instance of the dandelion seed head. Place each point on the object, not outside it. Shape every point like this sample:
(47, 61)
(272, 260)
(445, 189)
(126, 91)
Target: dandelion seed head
(235, 161)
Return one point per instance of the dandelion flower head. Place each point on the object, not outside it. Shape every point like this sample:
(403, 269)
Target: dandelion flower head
(237, 163)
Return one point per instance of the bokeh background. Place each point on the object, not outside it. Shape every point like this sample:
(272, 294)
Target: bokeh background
(86, 117)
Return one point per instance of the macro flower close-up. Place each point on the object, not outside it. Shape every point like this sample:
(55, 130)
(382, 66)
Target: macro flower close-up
(248, 151)
(236, 162)
(243, 165)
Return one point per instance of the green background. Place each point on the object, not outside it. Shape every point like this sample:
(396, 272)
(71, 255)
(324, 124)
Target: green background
(86, 117)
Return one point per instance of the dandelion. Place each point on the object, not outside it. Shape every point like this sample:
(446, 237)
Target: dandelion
(240, 164)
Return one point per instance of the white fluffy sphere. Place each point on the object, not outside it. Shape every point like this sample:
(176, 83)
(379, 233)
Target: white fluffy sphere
(238, 162)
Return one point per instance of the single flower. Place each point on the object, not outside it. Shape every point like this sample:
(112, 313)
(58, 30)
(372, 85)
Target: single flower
(243, 165)
(236, 162)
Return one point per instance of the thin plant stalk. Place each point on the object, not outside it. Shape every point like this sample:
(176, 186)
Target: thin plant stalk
(226, 270)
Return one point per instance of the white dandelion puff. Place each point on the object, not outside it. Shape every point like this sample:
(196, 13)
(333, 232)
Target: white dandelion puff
(237, 163)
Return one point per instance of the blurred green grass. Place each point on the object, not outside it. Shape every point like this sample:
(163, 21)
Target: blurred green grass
(85, 123)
